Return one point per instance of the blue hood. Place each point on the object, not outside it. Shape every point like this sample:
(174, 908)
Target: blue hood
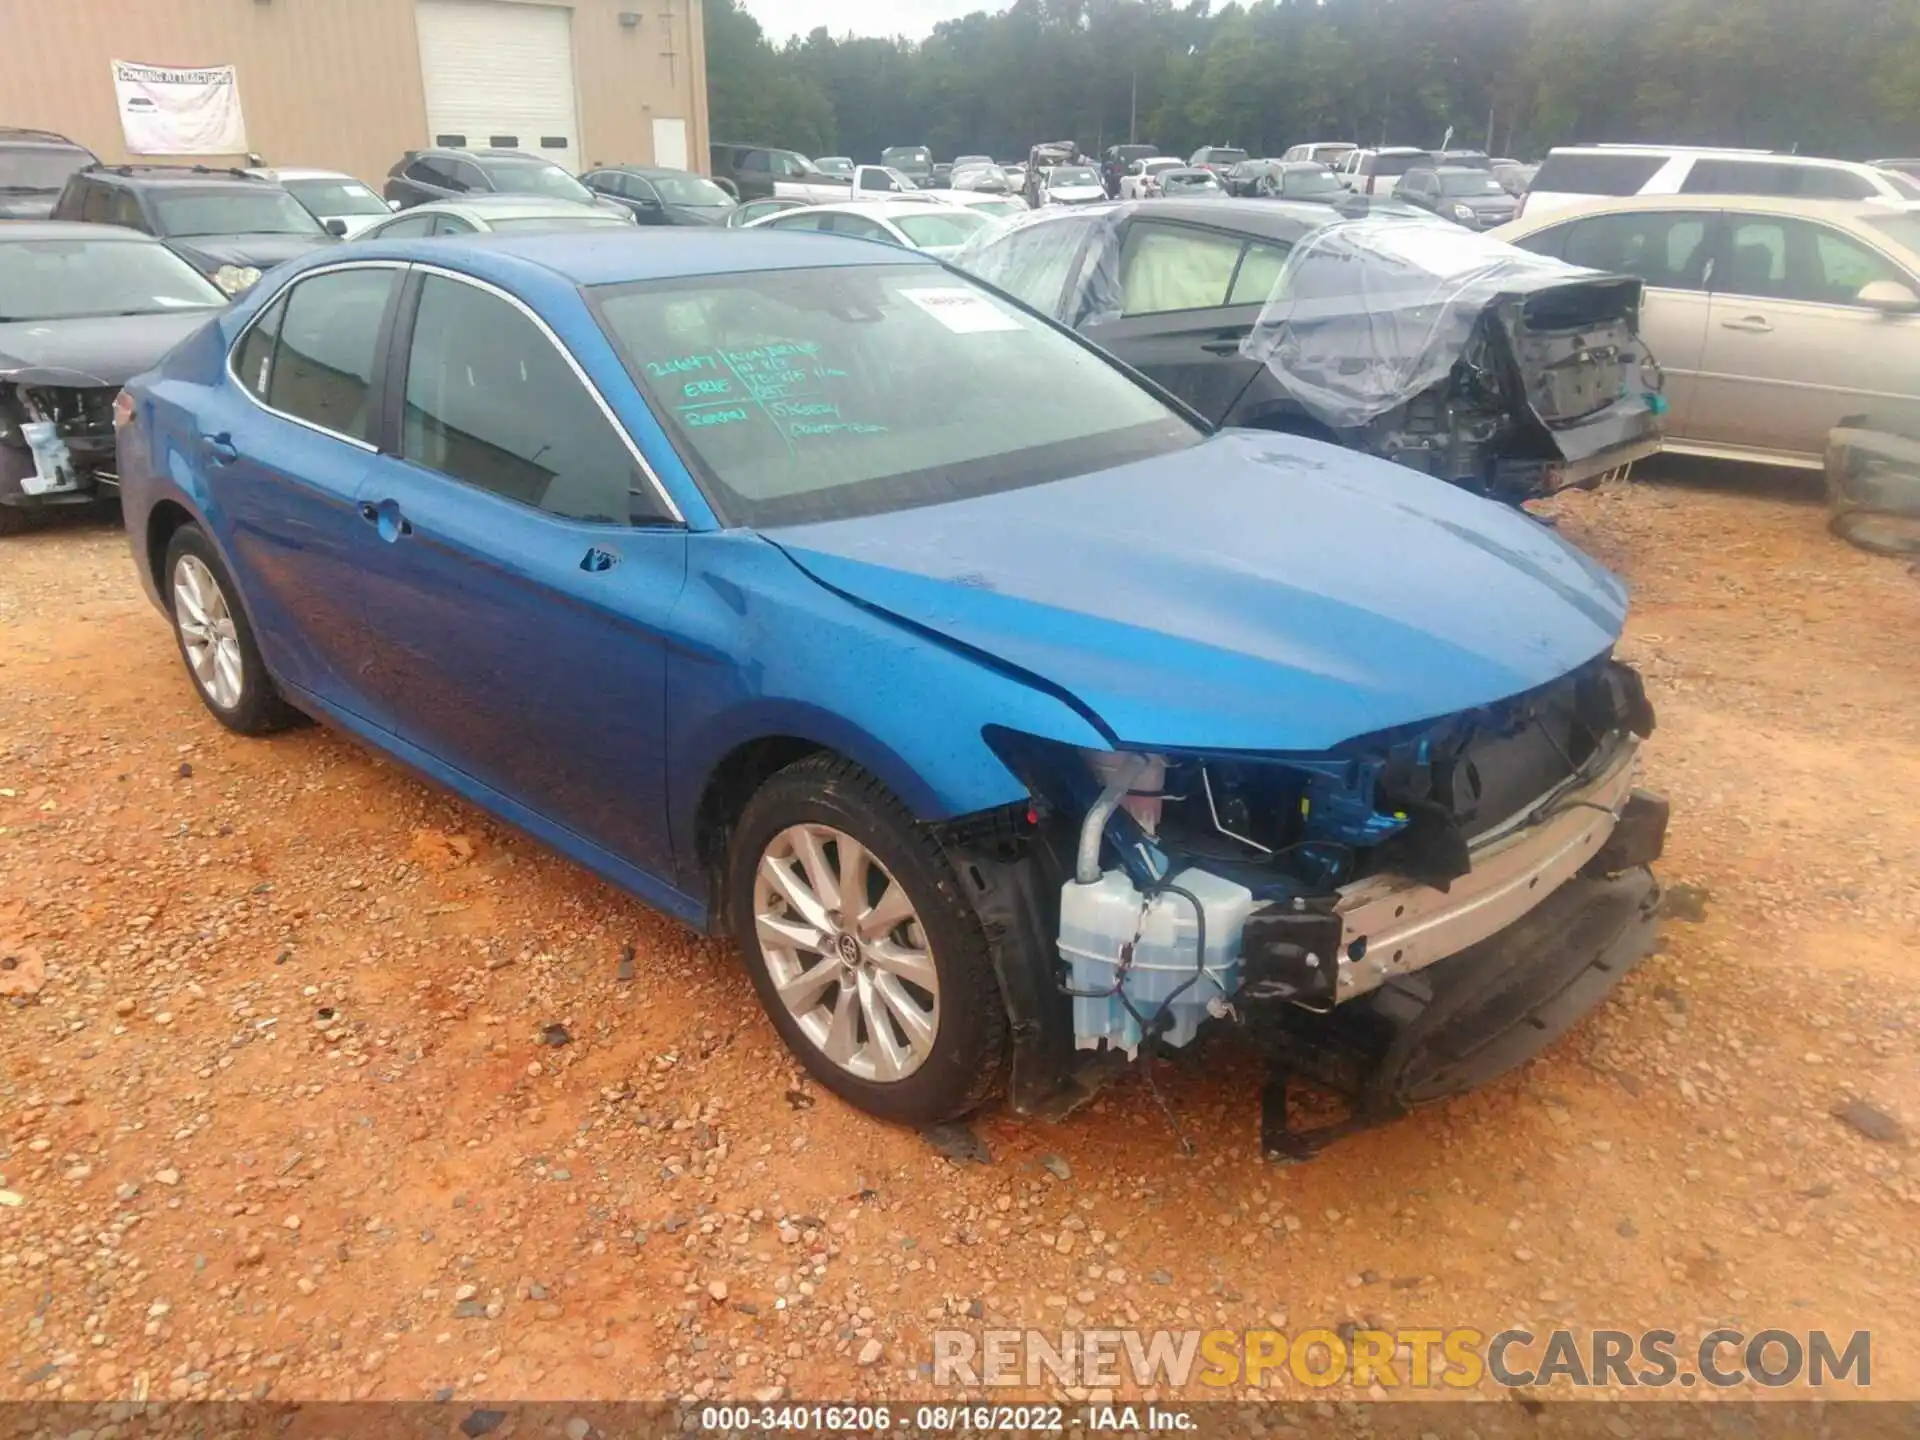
(1256, 592)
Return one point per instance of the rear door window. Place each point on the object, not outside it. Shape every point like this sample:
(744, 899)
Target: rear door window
(253, 361)
(96, 205)
(1596, 173)
(1664, 248)
(1033, 264)
(1170, 267)
(322, 370)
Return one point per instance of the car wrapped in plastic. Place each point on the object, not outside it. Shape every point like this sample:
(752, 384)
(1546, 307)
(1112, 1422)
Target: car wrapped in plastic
(1455, 355)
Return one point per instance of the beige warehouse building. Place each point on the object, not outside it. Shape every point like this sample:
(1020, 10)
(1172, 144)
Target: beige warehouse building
(352, 84)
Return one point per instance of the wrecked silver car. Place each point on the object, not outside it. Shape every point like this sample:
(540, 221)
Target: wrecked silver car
(83, 308)
(1407, 338)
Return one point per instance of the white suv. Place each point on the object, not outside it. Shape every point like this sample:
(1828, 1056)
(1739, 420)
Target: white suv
(1588, 172)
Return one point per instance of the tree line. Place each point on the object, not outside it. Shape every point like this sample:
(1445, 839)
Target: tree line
(1829, 77)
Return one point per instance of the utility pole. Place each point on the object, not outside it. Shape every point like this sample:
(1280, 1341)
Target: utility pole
(1133, 104)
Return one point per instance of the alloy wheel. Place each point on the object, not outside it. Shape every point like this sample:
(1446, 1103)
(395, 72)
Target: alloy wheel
(846, 951)
(207, 633)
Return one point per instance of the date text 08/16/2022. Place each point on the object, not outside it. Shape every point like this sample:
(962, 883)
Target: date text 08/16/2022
(936, 1419)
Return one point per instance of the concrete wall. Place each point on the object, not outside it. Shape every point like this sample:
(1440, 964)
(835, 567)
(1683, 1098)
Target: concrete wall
(336, 83)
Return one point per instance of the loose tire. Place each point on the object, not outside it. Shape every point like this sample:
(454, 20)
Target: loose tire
(865, 951)
(216, 642)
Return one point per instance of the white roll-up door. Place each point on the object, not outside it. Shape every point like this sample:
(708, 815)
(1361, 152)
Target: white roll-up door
(499, 75)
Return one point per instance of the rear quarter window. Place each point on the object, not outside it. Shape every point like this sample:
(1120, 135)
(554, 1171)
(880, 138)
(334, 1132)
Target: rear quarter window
(1596, 174)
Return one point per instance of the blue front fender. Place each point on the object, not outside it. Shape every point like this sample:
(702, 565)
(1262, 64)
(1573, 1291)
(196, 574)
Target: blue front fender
(904, 706)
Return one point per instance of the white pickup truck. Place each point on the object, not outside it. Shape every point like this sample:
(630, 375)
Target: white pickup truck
(757, 172)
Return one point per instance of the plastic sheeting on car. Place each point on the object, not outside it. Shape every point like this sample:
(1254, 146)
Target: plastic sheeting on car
(1367, 313)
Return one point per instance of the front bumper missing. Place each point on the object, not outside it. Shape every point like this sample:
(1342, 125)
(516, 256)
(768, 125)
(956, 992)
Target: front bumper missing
(1393, 926)
(1614, 462)
(1465, 1021)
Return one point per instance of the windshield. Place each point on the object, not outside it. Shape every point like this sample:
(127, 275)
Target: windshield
(537, 177)
(834, 165)
(694, 190)
(30, 167)
(336, 197)
(233, 212)
(907, 155)
(937, 228)
(1071, 175)
(559, 222)
(1903, 230)
(809, 395)
(1310, 182)
(1903, 183)
(67, 279)
(1475, 182)
(1189, 180)
(1001, 207)
(1217, 156)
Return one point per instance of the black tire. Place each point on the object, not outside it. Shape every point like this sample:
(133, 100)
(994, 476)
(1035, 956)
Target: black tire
(1897, 535)
(967, 1064)
(14, 519)
(259, 710)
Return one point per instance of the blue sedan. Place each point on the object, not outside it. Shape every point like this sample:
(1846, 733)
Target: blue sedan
(1007, 717)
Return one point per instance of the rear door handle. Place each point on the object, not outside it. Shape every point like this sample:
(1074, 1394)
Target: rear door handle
(386, 515)
(1753, 324)
(219, 448)
(1226, 346)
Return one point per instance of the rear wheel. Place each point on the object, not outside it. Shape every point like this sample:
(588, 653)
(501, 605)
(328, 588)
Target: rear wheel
(216, 642)
(864, 950)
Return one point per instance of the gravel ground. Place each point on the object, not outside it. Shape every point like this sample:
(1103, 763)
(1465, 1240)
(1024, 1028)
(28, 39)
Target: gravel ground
(283, 1114)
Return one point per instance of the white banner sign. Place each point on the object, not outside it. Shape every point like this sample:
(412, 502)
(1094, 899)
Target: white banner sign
(166, 110)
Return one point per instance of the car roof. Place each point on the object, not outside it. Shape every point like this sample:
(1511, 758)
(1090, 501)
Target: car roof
(1458, 170)
(885, 209)
(627, 254)
(507, 207)
(1281, 220)
(1771, 157)
(72, 230)
(32, 135)
(1840, 211)
(652, 172)
(201, 177)
(296, 172)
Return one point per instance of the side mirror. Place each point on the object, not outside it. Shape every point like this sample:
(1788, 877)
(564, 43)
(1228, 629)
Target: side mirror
(1889, 297)
(337, 227)
(393, 204)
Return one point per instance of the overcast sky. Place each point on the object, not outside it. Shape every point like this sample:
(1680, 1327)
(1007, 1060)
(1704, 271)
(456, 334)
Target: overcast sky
(913, 18)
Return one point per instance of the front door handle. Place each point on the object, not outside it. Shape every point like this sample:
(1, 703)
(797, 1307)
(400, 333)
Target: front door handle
(1752, 324)
(219, 448)
(1229, 345)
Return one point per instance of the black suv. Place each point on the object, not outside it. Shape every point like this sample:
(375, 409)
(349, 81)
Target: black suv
(422, 176)
(227, 224)
(751, 172)
(34, 167)
(658, 196)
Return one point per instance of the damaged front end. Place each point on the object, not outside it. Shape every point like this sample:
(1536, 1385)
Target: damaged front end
(56, 439)
(1398, 921)
(1508, 373)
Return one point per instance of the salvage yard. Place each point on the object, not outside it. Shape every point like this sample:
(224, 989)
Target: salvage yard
(317, 1083)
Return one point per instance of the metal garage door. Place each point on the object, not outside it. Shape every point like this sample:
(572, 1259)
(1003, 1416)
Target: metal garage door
(499, 74)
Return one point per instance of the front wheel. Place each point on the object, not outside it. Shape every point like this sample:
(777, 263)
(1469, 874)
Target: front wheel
(865, 951)
(216, 642)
